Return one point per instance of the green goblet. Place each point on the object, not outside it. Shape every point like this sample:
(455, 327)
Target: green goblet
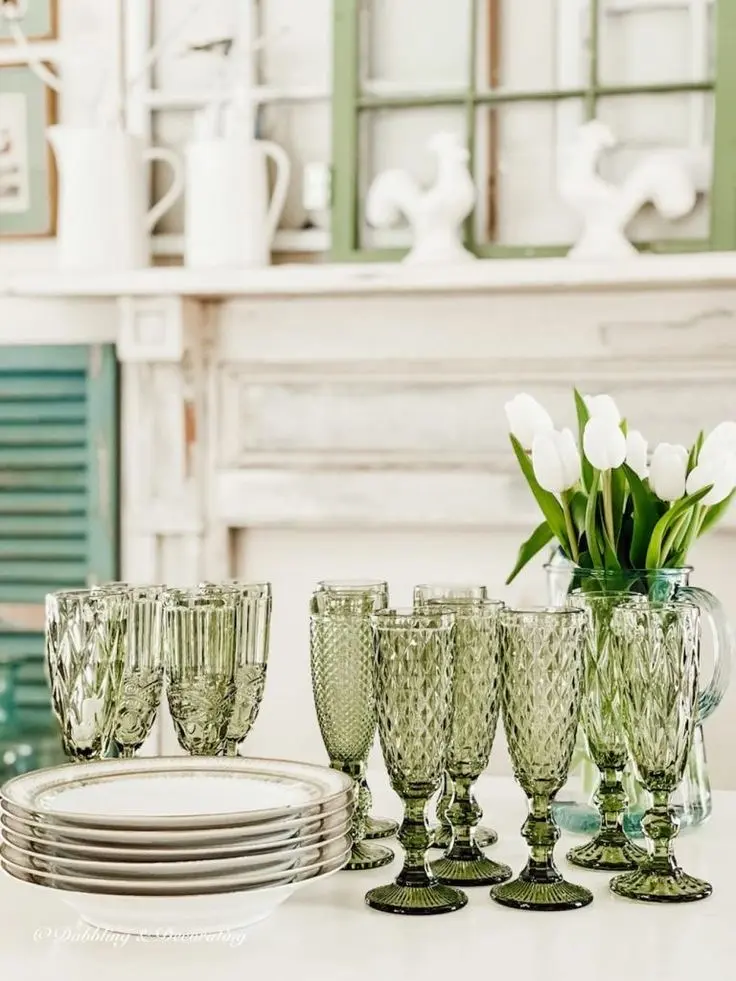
(143, 670)
(475, 705)
(341, 654)
(658, 654)
(450, 592)
(543, 664)
(413, 674)
(601, 721)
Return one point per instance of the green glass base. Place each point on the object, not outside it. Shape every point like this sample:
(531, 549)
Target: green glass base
(522, 893)
(416, 900)
(441, 837)
(366, 856)
(475, 872)
(648, 886)
(380, 828)
(606, 855)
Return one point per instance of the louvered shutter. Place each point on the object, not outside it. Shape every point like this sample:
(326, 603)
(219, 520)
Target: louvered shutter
(58, 496)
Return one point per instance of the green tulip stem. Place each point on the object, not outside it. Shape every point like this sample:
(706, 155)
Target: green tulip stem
(575, 554)
(608, 505)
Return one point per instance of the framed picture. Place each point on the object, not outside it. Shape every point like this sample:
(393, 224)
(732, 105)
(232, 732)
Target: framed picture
(27, 171)
(36, 18)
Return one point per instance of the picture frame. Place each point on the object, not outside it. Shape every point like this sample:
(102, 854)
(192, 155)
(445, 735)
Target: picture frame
(39, 20)
(27, 168)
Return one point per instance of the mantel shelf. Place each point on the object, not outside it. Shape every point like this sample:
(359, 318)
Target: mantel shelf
(489, 275)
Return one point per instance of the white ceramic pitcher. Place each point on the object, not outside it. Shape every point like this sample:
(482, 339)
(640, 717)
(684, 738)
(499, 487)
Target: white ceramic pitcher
(229, 220)
(104, 219)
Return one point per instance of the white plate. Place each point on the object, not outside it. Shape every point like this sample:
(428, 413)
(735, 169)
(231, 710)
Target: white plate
(269, 832)
(170, 871)
(50, 846)
(339, 852)
(174, 792)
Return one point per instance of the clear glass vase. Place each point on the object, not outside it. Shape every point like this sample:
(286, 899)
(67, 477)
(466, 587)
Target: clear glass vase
(574, 810)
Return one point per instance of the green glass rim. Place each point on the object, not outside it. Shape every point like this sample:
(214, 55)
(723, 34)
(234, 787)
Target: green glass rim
(661, 606)
(517, 612)
(450, 587)
(464, 608)
(570, 567)
(351, 585)
(408, 618)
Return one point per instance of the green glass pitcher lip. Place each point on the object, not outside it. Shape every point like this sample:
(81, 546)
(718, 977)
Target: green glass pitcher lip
(613, 573)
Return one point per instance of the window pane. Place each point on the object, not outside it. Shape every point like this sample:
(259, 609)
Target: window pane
(519, 150)
(177, 68)
(644, 124)
(415, 44)
(398, 138)
(298, 42)
(643, 41)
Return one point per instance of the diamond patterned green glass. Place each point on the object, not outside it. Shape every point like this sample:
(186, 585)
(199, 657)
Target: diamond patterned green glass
(658, 654)
(143, 670)
(600, 719)
(542, 676)
(85, 654)
(451, 592)
(413, 675)
(341, 654)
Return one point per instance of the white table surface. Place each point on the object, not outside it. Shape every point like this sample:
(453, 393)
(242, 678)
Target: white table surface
(327, 933)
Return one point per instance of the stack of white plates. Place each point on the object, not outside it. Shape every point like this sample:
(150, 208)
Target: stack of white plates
(176, 845)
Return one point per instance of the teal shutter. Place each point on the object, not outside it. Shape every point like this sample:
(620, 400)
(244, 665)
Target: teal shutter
(58, 499)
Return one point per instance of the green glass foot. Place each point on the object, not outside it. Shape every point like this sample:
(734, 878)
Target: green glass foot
(474, 872)
(366, 856)
(441, 837)
(416, 900)
(648, 886)
(523, 893)
(607, 856)
(380, 828)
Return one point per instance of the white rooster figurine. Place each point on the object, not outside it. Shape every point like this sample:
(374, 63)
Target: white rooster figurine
(666, 178)
(436, 214)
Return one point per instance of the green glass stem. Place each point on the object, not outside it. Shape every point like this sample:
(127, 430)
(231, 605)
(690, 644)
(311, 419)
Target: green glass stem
(541, 834)
(444, 802)
(414, 838)
(610, 850)
(231, 747)
(363, 855)
(661, 826)
(464, 814)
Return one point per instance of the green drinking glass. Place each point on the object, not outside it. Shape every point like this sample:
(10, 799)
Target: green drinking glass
(442, 832)
(341, 656)
(601, 721)
(350, 594)
(413, 678)
(474, 716)
(143, 669)
(658, 656)
(543, 669)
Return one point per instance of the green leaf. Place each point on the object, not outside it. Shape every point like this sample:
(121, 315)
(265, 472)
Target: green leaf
(548, 503)
(645, 517)
(618, 499)
(581, 410)
(541, 535)
(610, 558)
(654, 549)
(578, 505)
(715, 513)
(697, 446)
(590, 525)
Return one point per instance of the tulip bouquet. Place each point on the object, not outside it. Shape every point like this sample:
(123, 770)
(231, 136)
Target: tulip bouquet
(609, 505)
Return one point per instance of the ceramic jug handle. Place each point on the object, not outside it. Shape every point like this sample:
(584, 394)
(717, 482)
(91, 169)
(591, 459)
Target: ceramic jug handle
(177, 183)
(723, 643)
(283, 177)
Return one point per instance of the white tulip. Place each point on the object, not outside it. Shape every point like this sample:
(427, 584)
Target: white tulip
(527, 418)
(604, 444)
(556, 460)
(636, 453)
(668, 470)
(720, 473)
(721, 440)
(602, 407)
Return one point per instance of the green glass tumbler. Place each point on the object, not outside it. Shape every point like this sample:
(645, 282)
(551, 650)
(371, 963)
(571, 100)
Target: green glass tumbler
(413, 677)
(341, 656)
(543, 666)
(353, 595)
(143, 670)
(658, 656)
(442, 832)
(602, 723)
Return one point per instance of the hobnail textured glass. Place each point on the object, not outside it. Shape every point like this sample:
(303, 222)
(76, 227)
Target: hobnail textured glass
(413, 673)
(199, 661)
(449, 592)
(143, 669)
(356, 597)
(601, 722)
(85, 654)
(341, 655)
(542, 677)
(658, 655)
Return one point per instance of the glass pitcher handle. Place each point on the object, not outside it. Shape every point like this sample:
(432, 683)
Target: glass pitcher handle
(723, 642)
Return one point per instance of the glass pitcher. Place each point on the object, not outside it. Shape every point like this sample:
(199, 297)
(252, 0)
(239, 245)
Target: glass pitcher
(574, 810)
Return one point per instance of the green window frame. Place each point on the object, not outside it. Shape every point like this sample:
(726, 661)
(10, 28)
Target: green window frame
(349, 103)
